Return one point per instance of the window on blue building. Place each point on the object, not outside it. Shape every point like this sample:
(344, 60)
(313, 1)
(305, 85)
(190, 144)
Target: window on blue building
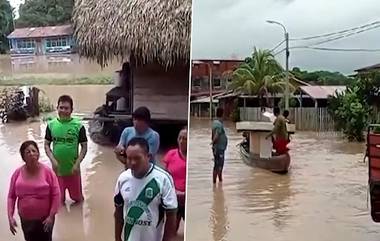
(25, 44)
(56, 42)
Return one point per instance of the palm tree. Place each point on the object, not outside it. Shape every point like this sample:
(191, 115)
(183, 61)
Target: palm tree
(260, 75)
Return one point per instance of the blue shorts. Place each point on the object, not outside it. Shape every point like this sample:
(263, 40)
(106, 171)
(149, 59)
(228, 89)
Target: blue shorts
(218, 159)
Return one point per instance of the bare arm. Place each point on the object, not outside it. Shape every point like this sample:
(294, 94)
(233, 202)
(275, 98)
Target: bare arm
(170, 225)
(82, 153)
(120, 154)
(120, 148)
(49, 154)
(119, 222)
(215, 137)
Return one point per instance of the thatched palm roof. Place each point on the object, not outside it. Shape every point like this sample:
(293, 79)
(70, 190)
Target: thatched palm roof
(148, 30)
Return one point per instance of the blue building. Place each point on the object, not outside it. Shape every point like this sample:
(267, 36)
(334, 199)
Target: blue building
(42, 40)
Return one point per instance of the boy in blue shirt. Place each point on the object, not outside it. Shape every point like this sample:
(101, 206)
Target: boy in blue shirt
(140, 128)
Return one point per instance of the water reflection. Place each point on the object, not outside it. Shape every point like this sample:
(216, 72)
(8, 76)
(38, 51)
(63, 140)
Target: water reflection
(64, 63)
(219, 214)
(70, 224)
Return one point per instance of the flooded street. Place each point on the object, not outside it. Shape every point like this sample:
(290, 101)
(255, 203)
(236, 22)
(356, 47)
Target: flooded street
(323, 198)
(64, 64)
(93, 220)
(86, 97)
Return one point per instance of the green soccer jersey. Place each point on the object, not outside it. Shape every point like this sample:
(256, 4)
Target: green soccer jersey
(66, 135)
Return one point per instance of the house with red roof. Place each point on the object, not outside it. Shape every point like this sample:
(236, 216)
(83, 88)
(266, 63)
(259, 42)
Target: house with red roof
(41, 40)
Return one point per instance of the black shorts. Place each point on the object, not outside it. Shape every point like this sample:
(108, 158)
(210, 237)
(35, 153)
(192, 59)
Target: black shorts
(34, 230)
(181, 212)
(218, 160)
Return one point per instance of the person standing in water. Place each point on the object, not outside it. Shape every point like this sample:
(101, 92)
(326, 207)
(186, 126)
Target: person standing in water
(219, 145)
(35, 188)
(145, 198)
(66, 133)
(140, 128)
(279, 133)
(175, 163)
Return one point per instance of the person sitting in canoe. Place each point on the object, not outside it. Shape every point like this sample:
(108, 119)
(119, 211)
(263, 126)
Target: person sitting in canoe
(279, 132)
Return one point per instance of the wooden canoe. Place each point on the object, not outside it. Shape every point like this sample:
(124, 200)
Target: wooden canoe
(277, 163)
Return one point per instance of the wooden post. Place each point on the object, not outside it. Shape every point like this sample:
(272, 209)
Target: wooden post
(32, 102)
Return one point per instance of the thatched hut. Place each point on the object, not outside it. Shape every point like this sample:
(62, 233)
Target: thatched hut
(153, 36)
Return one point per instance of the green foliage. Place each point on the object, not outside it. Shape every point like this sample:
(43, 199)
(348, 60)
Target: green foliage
(321, 77)
(351, 110)
(6, 24)
(259, 75)
(37, 13)
(376, 130)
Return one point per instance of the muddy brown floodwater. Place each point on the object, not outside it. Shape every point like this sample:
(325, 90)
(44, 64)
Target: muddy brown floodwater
(68, 64)
(93, 220)
(323, 198)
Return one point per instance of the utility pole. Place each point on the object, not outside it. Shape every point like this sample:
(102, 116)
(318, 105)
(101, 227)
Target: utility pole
(286, 62)
(211, 86)
(287, 71)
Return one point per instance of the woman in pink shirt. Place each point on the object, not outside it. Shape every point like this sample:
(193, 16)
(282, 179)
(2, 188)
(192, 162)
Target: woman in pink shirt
(175, 163)
(35, 188)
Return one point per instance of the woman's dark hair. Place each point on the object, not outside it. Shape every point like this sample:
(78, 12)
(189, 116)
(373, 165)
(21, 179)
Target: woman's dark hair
(65, 98)
(25, 145)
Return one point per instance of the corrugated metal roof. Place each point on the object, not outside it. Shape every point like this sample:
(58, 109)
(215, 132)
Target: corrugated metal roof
(204, 100)
(322, 91)
(372, 67)
(40, 32)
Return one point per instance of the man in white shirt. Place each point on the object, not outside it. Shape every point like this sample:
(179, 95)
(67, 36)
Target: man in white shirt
(144, 195)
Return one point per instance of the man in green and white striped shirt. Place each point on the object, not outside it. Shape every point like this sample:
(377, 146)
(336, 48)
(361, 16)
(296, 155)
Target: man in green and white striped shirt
(144, 195)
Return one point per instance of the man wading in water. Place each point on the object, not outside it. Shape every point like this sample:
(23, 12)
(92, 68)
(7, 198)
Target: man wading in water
(280, 133)
(66, 133)
(219, 145)
(144, 195)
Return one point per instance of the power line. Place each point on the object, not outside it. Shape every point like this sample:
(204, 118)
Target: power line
(338, 49)
(279, 52)
(344, 36)
(278, 45)
(339, 32)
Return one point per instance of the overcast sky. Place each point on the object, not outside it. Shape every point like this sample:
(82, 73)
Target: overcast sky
(226, 28)
(16, 4)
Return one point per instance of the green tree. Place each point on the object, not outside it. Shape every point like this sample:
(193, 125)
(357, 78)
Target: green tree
(322, 77)
(351, 109)
(259, 75)
(6, 24)
(37, 13)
